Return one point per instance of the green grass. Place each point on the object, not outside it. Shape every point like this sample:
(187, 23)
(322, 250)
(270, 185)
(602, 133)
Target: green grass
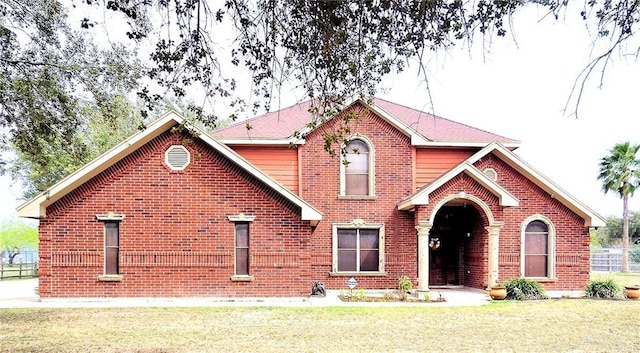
(531, 326)
(623, 279)
(563, 325)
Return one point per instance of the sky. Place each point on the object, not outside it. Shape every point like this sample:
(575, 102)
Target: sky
(519, 90)
(518, 87)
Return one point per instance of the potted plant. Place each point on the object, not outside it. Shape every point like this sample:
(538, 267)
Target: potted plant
(632, 292)
(497, 291)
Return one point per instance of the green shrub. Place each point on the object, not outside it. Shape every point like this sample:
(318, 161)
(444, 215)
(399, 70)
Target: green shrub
(634, 253)
(603, 289)
(524, 289)
(404, 286)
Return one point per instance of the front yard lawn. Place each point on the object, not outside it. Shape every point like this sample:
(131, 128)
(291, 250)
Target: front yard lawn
(577, 325)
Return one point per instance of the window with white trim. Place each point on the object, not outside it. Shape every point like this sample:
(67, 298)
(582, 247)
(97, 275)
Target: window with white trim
(241, 247)
(357, 175)
(111, 247)
(538, 251)
(490, 173)
(358, 247)
(111, 224)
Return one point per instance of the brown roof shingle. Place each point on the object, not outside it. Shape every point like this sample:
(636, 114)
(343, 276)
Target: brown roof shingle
(283, 123)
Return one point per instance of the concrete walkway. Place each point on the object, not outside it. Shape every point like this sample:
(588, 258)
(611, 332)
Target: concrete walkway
(21, 294)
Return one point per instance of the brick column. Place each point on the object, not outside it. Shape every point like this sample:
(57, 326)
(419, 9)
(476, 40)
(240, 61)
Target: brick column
(423, 229)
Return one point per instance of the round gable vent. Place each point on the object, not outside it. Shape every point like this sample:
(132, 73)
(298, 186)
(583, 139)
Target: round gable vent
(177, 157)
(491, 174)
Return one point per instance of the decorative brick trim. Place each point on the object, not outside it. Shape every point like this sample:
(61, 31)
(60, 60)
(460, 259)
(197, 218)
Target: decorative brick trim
(358, 274)
(274, 260)
(76, 258)
(175, 259)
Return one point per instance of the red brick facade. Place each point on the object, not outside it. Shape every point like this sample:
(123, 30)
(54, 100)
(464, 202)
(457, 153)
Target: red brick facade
(393, 181)
(176, 238)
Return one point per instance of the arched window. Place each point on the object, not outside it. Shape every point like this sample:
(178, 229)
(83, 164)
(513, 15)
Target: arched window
(356, 169)
(538, 249)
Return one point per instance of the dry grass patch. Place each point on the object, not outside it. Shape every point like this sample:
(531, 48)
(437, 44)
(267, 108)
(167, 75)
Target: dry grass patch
(550, 325)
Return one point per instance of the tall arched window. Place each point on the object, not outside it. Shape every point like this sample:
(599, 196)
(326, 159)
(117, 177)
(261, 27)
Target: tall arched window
(356, 169)
(538, 249)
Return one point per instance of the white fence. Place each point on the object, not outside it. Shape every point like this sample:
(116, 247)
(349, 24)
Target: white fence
(611, 262)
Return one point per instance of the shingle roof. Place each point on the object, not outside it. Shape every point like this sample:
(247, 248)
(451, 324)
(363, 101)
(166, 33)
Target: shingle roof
(283, 123)
(435, 128)
(280, 124)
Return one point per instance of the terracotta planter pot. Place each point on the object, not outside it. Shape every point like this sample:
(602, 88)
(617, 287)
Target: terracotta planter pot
(498, 293)
(632, 292)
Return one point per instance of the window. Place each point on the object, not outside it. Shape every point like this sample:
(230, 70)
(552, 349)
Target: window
(537, 249)
(242, 249)
(356, 169)
(111, 247)
(358, 248)
(111, 224)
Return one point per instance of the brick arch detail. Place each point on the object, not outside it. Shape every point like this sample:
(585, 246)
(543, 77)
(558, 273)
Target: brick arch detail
(492, 227)
(479, 204)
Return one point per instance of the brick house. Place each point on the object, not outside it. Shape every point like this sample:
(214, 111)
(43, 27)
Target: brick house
(261, 209)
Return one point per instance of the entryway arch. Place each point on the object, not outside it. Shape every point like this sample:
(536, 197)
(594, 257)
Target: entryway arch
(453, 244)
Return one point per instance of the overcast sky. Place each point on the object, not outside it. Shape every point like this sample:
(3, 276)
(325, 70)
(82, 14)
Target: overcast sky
(519, 90)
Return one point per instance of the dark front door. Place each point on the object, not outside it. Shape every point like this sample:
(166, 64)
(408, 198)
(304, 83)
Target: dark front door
(444, 259)
(447, 244)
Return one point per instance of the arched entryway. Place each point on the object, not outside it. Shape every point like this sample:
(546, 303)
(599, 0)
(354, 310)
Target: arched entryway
(458, 245)
(454, 242)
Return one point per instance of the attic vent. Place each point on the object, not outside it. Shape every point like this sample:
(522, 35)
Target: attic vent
(177, 157)
(491, 174)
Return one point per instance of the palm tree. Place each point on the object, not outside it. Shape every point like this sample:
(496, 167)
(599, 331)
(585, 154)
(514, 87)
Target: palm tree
(620, 173)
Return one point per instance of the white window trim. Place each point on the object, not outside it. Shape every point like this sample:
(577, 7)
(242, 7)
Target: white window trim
(166, 157)
(109, 217)
(241, 218)
(372, 170)
(358, 224)
(551, 248)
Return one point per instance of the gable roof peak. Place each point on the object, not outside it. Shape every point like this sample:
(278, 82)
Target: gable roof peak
(36, 207)
(289, 125)
(591, 218)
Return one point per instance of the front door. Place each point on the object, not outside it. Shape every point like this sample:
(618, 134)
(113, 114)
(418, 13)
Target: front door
(444, 256)
(446, 245)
